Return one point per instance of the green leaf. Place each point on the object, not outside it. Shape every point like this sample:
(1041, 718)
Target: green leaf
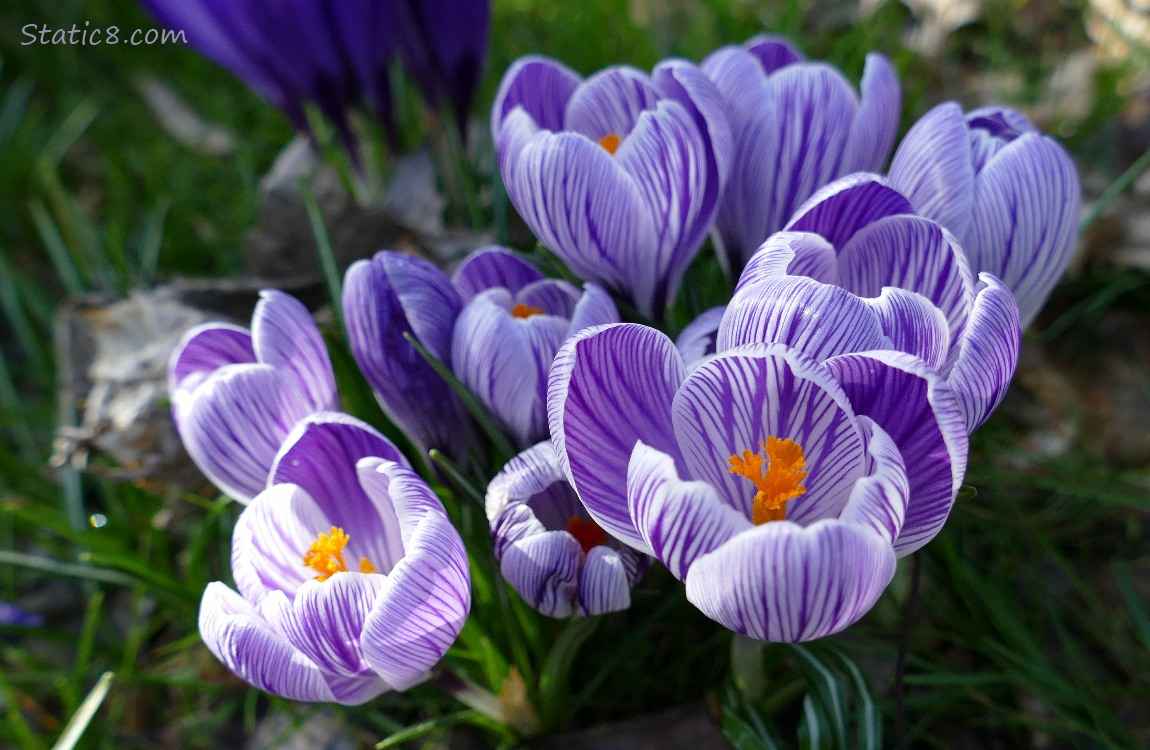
(83, 716)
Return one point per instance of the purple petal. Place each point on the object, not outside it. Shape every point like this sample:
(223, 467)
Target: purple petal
(741, 397)
(492, 266)
(791, 254)
(552, 296)
(783, 582)
(541, 86)
(321, 456)
(933, 168)
(609, 388)
(544, 569)
(594, 308)
(819, 320)
(912, 404)
(428, 594)
(697, 341)
(377, 298)
(14, 616)
(285, 336)
(847, 205)
(876, 124)
(205, 349)
(530, 472)
(679, 520)
(878, 500)
(1026, 204)
(610, 102)
(504, 361)
(773, 52)
(913, 324)
(240, 638)
(233, 425)
(603, 585)
(987, 352)
(911, 253)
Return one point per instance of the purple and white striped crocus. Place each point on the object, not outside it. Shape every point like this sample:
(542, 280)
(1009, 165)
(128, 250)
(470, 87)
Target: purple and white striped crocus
(751, 478)
(550, 550)
(796, 126)
(1010, 194)
(619, 175)
(496, 324)
(236, 392)
(350, 580)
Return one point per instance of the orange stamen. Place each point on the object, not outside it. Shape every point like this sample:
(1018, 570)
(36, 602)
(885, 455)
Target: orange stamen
(325, 555)
(586, 532)
(522, 310)
(610, 142)
(779, 483)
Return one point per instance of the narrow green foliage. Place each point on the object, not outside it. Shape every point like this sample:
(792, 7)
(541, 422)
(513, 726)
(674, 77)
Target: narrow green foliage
(79, 721)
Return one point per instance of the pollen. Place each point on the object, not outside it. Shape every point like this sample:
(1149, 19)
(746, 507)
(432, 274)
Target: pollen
(586, 532)
(325, 555)
(780, 482)
(610, 142)
(522, 310)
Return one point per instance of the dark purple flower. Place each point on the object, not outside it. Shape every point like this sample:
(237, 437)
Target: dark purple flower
(550, 550)
(236, 393)
(351, 580)
(619, 175)
(12, 615)
(1010, 194)
(796, 126)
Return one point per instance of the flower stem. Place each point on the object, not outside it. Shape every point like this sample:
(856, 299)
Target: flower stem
(469, 694)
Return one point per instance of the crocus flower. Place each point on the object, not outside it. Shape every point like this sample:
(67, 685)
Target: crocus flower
(236, 393)
(796, 126)
(550, 550)
(752, 478)
(350, 580)
(336, 55)
(12, 615)
(496, 325)
(1009, 194)
(619, 175)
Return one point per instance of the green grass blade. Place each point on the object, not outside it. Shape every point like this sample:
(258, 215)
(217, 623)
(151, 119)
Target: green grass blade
(80, 720)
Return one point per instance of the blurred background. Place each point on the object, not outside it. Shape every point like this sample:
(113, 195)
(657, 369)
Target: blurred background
(124, 168)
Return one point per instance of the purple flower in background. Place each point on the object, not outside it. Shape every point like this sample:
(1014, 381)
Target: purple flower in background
(236, 393)
(619, 175)
(796, 126)
(14, 616)
(551, 552)
(496, 325)
(351, 580)
(1010, 194)
(751, 478)
(336, 55)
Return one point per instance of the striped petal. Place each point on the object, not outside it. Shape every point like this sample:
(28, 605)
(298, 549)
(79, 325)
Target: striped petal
(321, 456)
(819, 320)
(205, 349)
(285, 336)
(610, 387)
(594, 308)
(240, 638)
(791, 254)
(679, 520)
(783, 582)
(504, 361)
(1026, 204)
(233, 425)
(610, 102)
(492, 266)
(933, 168)
(912, 404)
(697, 340)
(544, 570)
(742, 396)
(847, 205)
(875, 126)
(987, 352)
(541, 85)
(878, 500)
(603, 585)
(426, 597)
(773, 52)
(528, 473)
(913, 324)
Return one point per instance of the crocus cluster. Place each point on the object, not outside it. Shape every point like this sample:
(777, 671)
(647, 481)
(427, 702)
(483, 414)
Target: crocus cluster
(337, 55)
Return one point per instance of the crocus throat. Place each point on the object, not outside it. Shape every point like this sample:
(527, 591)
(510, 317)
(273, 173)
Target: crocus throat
(586, 532)
(785, 464)
(325, 555)
(610, 142)
(522, 310)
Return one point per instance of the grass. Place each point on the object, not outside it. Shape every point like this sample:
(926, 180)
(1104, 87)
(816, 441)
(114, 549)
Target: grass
(1033, 622)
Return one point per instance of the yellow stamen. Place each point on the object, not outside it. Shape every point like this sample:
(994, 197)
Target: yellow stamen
(325, 555)
(522, 310)
(610, 142)
(779, 483)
